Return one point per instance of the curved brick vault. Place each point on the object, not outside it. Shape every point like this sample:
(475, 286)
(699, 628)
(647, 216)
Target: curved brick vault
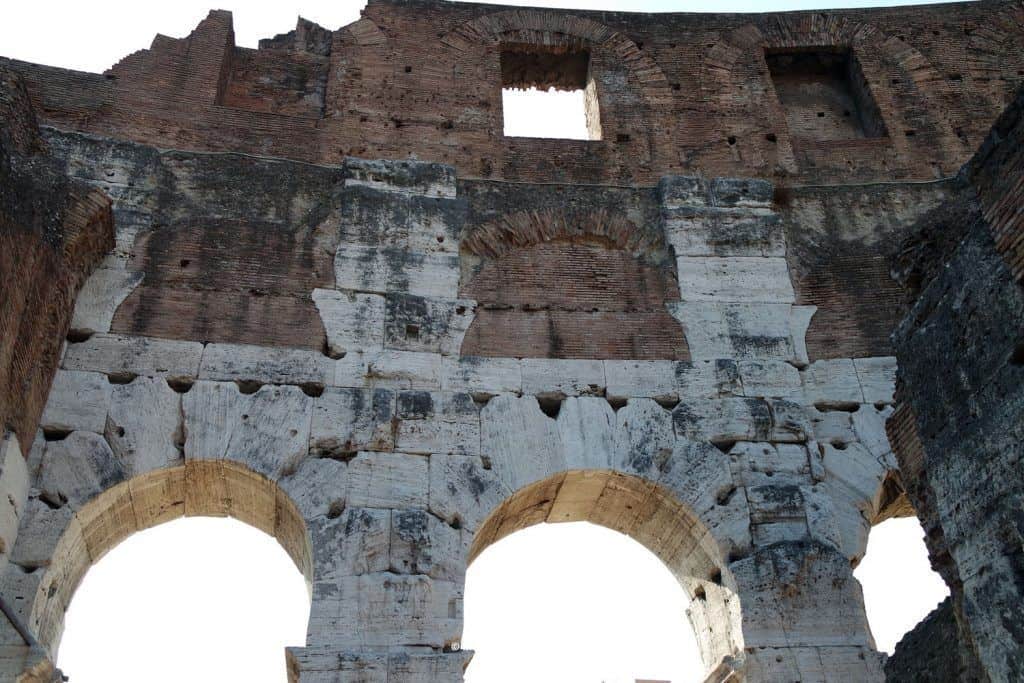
(341, 306)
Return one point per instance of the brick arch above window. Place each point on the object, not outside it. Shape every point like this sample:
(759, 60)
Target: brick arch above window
(554, 285)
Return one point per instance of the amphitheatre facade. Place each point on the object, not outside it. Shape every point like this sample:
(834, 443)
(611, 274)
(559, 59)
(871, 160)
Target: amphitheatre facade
(774, 300)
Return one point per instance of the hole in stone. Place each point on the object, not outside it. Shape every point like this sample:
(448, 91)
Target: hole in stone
(724, 497)
(56, 433)
(481, 398)
(312, 389)
(839, 446)
(408, 69)
(699, 593)
(79, 336)
(731, 140)
(837, 407)
(622, 137)
(771, 137)
(412, 331)
(456, 523)
(248, 386)
(667, 402)
(879, 406)
(716, 577)
(121, 377)
(550, 405)
(724, 446)
(821, 114)
(120, 431)
(460, 310)
(616, 402)
(485, 461)
(909, 133)
(184, 263)
(335, 509)
(332, 352)
(1017, 357)
(53, 499)
(180, 385)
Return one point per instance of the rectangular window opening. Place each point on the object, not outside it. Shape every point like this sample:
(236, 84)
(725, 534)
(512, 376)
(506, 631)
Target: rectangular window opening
(825, 94)
(548, 94)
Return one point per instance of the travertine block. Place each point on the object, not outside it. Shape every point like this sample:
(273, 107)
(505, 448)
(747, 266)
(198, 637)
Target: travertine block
(754, 464)
(114, 354)
(349, 420)
(319, 487)
(267, 431)
(353, 321)
(463, 491)
(743, 330)
(423, 544)
(77, 469)
(226, 362)
(351, 543)
(402, 370)
(487, 376)
(387, 269)
(877, 378)
(643, 434)
(521, 442)
(828, 610)
(432, 325)
(389, 480)
(144, 425)
(381, 611)
(558, 377)
(869, 426)
(404, 177)
(14, 484)
(832, 426)
(735, 279)
(770, 379)
(586, 429)
(832, 383)
(740, 419)
(724, 232)
(102, 293)
(438, 423)
(78, 401)
(671, 380)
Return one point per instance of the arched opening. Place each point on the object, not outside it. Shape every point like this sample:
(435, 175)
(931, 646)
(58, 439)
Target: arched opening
(900, 586)
(190, 600)
(649, 517)
(586, 603)
(196, 489)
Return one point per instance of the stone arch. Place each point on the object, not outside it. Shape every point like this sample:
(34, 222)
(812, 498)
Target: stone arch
(623, 470)
(570, 283)
(199, 488)
(739, 57)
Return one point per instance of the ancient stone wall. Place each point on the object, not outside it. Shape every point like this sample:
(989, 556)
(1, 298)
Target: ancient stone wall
(887, 93)
(959, 428)
(343, 308)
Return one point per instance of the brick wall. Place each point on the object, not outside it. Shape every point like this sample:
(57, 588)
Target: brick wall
(677, 93)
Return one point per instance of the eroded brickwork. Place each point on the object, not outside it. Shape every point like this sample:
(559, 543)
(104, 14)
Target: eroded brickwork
(341, 306)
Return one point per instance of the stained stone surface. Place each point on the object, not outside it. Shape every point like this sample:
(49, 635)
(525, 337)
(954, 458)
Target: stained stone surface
(340, 306)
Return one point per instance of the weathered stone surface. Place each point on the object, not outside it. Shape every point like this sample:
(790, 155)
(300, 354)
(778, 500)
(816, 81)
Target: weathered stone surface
(389, 480)
(144, 425)
(118, 355)
(78, 400)
(521, 442)
(417, 323)
(349, 420)
(230, 362)
(353, 321)
(268, 431)
(14, 483)
(438, 423)
(102, 293)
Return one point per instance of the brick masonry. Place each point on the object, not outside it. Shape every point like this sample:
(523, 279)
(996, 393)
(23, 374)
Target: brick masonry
(339, 305)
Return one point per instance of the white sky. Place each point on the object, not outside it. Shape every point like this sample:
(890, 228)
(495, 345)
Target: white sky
(206, 600)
